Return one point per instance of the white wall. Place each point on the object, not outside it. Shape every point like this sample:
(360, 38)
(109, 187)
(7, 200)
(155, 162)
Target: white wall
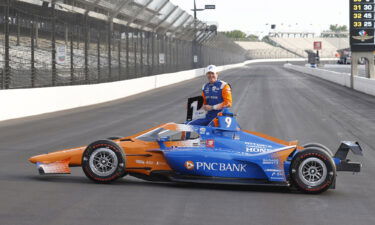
(17, 103)
(361, 84)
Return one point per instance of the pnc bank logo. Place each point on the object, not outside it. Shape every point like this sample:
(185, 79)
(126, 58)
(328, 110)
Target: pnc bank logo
(215, 166)
(189, 165)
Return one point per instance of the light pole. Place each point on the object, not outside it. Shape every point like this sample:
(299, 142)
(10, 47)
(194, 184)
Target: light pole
(195, 58)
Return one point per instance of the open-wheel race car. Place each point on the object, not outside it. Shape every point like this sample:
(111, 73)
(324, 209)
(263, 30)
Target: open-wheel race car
(220, 153)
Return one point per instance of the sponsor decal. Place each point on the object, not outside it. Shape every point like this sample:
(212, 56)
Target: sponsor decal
(270, 161)
(362, 36)
(210, 143)
(202, 130)
(275, 173)
(189, 165)
(140, 161)
(215, 166)
(222, 167)
(257, 148)
(160, 163)
(149, 162)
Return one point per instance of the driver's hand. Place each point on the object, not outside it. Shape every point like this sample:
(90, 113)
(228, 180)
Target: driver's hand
(207, 107)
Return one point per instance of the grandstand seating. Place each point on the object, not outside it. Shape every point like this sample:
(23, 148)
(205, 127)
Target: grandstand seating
(263, 50)
(300, 45)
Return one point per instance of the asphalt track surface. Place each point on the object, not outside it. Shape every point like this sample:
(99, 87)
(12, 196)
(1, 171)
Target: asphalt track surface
(267, 97)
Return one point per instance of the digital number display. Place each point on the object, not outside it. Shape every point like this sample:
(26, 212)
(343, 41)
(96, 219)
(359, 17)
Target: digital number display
(362, 25)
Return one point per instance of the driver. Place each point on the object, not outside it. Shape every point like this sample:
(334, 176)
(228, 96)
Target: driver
(216, 94)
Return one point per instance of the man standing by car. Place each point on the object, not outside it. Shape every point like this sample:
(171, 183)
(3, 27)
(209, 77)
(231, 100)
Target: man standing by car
(216, 94)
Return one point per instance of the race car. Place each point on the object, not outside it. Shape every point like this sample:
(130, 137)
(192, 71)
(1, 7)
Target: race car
(220, 153)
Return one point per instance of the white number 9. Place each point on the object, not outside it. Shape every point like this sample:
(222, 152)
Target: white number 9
(228, 121)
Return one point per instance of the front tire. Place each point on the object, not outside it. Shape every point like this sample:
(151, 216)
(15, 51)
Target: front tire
(312, 171)
(103, 161)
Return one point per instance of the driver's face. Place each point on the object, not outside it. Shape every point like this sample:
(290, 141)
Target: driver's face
(211, 77)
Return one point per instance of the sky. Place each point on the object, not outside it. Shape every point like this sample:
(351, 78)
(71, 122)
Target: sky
(255, 16)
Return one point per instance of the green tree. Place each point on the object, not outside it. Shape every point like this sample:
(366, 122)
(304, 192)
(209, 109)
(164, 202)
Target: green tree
(252, 37)
(338, 28)
(235, 34)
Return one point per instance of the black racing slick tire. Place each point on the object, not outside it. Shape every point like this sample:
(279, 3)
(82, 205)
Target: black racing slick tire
(318, 145)
(312, 171)
(103, 161)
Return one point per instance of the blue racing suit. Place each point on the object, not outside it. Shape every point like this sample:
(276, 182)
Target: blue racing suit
(219, 96)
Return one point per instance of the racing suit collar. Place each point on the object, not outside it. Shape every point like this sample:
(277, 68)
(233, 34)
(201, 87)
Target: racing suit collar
(211, 84)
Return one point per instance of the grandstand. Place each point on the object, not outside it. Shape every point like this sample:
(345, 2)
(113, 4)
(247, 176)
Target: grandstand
(299, 45)
(294, 44)
(263, 50)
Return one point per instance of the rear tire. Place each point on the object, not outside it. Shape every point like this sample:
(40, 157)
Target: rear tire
(318, 145)
(312, 171)
(103, 161)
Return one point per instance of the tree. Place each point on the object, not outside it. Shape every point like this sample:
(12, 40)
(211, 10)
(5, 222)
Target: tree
(252, 37)
(235, 34)
(338, 28)
(335, 30)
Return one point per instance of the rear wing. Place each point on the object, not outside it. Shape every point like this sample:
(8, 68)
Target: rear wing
(341, 154)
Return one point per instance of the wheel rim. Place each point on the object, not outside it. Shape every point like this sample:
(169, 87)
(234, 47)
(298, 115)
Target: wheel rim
(103, 162)
(312, 171)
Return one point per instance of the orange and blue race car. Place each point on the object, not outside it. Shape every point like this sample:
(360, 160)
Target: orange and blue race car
(220, 153)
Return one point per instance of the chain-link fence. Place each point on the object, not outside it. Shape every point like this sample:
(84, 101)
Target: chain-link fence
(41, 45)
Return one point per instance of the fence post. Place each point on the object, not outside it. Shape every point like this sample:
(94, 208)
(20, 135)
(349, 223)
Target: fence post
(32, 54)
(109, 40)
(158, 41)
(86, 52)
(141, 51)
(135, 53)
(66, 34)
(54, 75)
(71, 56)
(164, 52)
(36, 32)
(98, 55)
(168, 58)
(18, 28)
(6, 56)
(152, 53)
(127, 50)
(148, 53)
(119, 55)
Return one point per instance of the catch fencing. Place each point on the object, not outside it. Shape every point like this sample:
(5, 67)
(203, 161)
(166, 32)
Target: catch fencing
(46, 45)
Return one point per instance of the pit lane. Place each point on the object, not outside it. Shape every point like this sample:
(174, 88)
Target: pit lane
(267, 97)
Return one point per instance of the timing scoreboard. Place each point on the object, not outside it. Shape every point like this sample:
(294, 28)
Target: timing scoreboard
(362, 25)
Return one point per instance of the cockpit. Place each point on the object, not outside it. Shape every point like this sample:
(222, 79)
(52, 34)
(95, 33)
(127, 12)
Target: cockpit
(170, 132)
